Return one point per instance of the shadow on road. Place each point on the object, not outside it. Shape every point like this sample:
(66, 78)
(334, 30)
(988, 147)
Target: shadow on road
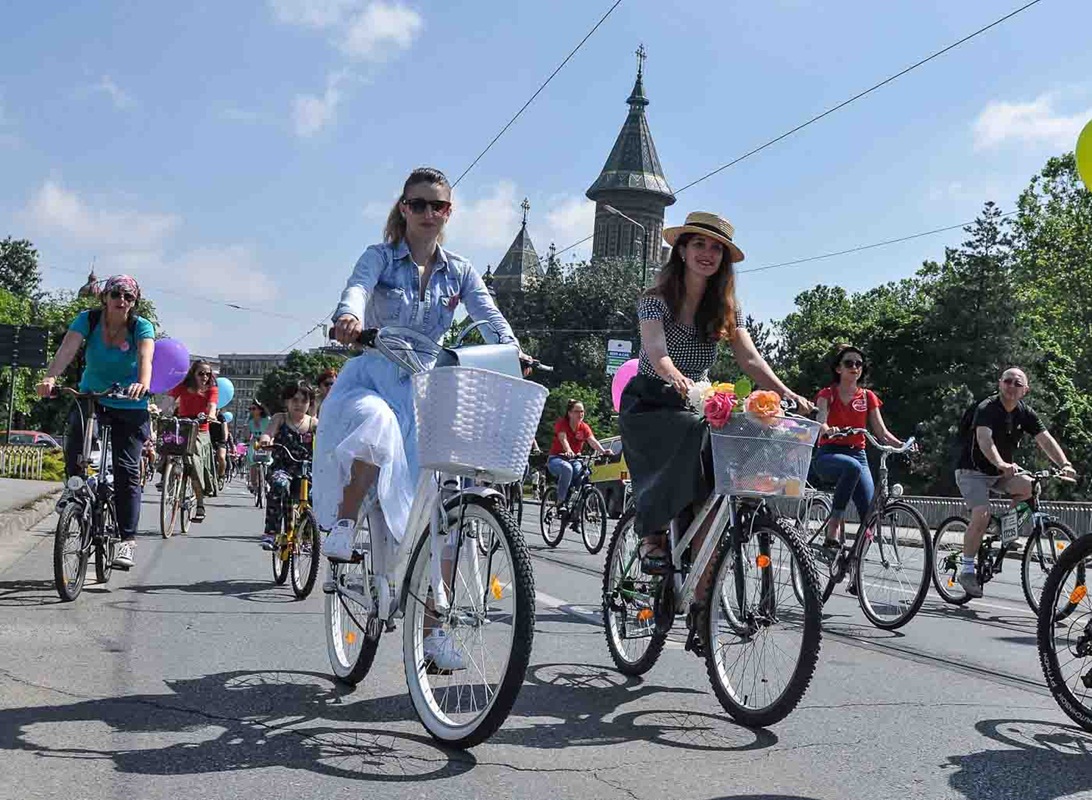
(254, 591)
(1041, 761)
(25, 593)
(239, 721)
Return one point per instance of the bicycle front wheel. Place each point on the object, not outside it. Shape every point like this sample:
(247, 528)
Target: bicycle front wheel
(185, 504)
(305, 555)
(1041, 552)
(762, 641)
(549, 518)
(70, 552)
(593, 520)
(948, 560)
(170, 498)
(629, 619)
(104, 547)
(1065, 647)
(893, 567)
(466, 642)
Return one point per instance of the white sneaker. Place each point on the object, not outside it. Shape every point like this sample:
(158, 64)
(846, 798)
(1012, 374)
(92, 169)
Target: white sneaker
(123, 555)
(970, 584)
(442, 653)
(338, 545)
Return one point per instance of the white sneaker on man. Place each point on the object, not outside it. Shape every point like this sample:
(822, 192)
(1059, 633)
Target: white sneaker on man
(123, 555)
(970, 584)
(441, 652)
(338, 545)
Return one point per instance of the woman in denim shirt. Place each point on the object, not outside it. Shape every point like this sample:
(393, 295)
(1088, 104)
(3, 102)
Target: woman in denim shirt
(367, 441)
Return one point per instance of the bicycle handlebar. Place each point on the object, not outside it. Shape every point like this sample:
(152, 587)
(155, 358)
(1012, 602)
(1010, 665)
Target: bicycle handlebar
(115, 392)
(367, 337)
(842, 433)
(287, 452)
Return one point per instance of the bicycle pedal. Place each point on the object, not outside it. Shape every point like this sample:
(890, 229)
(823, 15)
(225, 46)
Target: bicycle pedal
(329, 587)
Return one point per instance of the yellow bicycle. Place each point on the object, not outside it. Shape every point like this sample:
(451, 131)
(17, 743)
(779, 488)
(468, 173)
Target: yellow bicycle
(296, 548)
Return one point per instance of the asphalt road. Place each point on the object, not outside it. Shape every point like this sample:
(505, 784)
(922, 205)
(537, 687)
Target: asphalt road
(193, 676)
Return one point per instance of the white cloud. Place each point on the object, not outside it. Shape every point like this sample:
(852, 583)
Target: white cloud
(107, 86)
(380, 31)
(225, 273)
(491, 221)
(1036, 122)
(312, 13)
(54, 210)
(311, 113)
(569, 218)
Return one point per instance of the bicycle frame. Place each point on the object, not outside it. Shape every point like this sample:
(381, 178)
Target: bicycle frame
(986, 563)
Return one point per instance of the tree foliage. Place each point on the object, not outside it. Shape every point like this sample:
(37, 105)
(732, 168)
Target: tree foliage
(19, 272)
(299, 365)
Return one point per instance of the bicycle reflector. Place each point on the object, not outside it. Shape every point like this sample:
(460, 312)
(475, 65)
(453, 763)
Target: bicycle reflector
(896, 490)
(644, 615)
(350, 637)
(1078, 594)
(496, 588)
(763, 561)
(75, 483)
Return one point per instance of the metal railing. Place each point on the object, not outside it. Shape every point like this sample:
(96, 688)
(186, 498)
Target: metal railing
(21, 461)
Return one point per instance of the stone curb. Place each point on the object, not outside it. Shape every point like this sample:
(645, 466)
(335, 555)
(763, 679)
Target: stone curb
(22, 519)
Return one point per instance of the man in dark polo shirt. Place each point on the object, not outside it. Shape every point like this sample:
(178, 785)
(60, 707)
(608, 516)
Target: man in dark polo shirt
(986, 461)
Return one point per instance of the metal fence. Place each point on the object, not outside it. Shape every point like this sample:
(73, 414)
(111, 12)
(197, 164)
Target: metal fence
(21, 461)
(1077, 516)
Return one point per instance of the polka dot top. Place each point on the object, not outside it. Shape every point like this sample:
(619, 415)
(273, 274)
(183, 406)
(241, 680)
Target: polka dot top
(691, 355)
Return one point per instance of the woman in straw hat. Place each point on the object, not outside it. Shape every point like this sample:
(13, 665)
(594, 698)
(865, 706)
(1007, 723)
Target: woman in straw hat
(691, 308)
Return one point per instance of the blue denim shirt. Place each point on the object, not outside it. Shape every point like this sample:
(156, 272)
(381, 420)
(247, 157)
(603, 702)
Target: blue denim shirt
(383, 290)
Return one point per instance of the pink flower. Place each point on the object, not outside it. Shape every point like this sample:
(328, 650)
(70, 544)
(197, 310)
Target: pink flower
(718, 408)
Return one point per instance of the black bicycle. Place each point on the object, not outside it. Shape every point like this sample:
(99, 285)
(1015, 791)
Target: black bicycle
(586, 512)
(1048, 538)
(888, 560)
(88, 521)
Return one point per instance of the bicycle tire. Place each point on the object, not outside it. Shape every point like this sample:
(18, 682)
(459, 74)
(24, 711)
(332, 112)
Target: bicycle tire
(812, 535)
(168, 502)
(520, 621)
(1055, 531)
(632, 580)
(107, 543)
(808, 612)
(70, 586)
(548, 522)
(346, 626)
(517, 503)
(593, 520)
(947, 561)
(1078, 709)
(259, 495)
(864, 596)
(185, 508)
(306, 539)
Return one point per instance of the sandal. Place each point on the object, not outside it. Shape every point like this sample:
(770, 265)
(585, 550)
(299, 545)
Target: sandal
(655, 560)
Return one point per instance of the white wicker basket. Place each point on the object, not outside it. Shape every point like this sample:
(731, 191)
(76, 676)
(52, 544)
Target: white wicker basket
(476, 423)
(764, 457)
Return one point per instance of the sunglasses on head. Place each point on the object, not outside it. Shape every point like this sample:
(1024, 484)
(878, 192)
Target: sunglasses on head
(418, 205)
(118, 294)
(1019, 384)
(852, 363)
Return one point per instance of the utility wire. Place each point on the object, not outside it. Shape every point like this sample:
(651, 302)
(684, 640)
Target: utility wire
(312, 329)
(537, 92)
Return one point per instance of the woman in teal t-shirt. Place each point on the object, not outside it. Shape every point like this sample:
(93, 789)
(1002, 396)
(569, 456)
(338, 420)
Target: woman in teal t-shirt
(119, 351)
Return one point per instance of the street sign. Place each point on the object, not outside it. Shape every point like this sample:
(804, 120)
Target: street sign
(23, 346)
(619, 351)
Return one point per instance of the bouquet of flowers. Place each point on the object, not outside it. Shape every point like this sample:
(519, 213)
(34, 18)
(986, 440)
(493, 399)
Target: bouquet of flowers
(717, 401)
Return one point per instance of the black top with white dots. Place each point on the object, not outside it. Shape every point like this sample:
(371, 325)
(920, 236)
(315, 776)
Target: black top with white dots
(690, 353)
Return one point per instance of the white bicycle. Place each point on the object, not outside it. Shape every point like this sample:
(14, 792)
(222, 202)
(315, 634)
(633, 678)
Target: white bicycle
(468, 578)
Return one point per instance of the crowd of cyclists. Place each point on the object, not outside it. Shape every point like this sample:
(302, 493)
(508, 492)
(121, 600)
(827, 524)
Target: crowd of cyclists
(364, 450)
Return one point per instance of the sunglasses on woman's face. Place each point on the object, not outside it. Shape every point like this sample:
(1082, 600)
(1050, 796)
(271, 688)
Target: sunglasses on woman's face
(326, 384)
(852, 363)
(204, 374)
(418, 205)
(117, 294)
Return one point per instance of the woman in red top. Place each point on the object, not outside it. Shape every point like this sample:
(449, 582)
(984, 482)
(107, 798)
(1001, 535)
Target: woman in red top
(198, 394)
(845, 404)
(570, 434)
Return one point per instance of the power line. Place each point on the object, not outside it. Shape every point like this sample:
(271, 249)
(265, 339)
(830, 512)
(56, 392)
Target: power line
(538, 91)
(312, 329)
(859, 248)
(841, 105)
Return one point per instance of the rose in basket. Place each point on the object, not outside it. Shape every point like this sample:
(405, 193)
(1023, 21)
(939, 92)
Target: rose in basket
(714, 401)
(764, 407)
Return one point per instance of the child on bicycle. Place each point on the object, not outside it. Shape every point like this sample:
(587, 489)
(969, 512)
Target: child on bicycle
(293, 429)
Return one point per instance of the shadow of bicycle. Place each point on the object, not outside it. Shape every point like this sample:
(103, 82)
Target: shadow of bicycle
(27, 593)
(236, 721)
(252, 591)
(1042, 761)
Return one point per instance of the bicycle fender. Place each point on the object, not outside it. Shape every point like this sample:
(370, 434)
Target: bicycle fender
(478, 491)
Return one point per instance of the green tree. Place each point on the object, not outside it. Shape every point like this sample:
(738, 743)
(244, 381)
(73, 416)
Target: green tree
(299, 365)
(596, 414)
(19, 273)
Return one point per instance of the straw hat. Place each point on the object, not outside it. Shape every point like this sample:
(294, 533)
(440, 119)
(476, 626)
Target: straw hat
(707, 225)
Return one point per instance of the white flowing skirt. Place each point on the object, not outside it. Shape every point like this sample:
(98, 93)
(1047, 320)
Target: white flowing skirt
(368, 416)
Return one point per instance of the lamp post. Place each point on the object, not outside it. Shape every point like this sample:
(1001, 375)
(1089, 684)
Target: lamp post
(644, 244)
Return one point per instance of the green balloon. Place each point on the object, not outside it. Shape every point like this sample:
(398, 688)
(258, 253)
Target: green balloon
(1084, 155)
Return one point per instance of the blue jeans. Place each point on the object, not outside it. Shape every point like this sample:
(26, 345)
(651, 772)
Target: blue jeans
(564, 470)
(849, 467)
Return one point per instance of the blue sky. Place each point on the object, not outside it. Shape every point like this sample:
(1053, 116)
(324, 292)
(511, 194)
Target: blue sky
(247, 152)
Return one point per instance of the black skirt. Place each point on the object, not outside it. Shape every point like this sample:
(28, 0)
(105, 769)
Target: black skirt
(667, 451)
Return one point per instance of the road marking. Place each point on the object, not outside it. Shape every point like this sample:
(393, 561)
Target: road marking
(566, 607)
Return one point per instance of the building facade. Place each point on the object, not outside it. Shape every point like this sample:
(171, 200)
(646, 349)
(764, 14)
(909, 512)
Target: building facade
(246, 371)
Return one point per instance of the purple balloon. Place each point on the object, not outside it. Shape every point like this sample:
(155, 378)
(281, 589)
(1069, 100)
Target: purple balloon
(170, 363)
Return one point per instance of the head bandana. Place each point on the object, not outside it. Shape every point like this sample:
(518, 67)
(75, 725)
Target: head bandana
(124, 283)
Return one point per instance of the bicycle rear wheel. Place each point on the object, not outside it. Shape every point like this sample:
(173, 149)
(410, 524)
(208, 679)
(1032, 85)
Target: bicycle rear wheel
(948, 560)
(170, 498)
(762, 642)
(305, 555)
(549, 518)
(487, 624)
(352, 629)
(1065, 647)
(593, 520)
(185, 501)
(629, 618)
(71, 543)
(1041, 553)
(893, 567)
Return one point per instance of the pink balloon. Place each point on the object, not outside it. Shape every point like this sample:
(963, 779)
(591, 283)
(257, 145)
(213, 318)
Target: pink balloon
(170, 363)
(623, 376)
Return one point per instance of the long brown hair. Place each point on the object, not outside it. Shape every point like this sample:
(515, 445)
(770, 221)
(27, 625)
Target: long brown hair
(395, 229)
(716, 314)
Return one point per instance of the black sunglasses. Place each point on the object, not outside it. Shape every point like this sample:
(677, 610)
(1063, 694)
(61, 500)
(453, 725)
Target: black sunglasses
(852, 363)
(1013, 382)
(418, 205)
(203, 374)
(117, 294)
(326, 384)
